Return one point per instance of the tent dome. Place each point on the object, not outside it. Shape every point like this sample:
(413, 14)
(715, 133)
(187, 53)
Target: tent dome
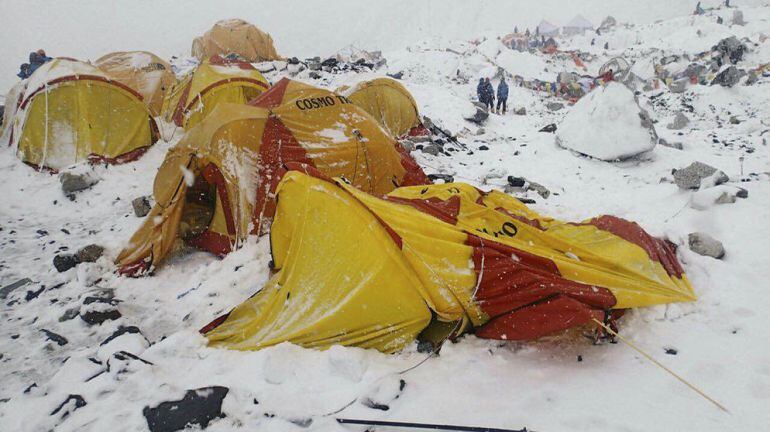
(608, 124)
(235, 36)
(389, 102)
(143, 71)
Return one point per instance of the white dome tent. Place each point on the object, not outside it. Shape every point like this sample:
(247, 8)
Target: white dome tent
(547, 29)
(577, 26)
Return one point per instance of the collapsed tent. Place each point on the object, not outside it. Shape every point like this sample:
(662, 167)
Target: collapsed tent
(70, 111)
(235, 36)
(354, 269)
(215, 81)
(390, 103)
(142, 71)
(217, 185)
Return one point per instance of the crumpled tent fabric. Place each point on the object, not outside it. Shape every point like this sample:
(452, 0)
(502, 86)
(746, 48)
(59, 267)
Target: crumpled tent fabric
(143, 71)
(389, 102)
(215, 81)
(235, 36)
(71, 111)
(354, 269)
(240, 151)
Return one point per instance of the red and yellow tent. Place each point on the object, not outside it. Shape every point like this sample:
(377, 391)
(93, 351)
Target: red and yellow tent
(217, 185)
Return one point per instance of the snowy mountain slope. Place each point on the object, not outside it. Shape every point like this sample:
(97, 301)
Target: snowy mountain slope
(557, 384)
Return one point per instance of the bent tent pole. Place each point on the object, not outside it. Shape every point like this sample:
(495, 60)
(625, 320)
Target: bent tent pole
(432, 426)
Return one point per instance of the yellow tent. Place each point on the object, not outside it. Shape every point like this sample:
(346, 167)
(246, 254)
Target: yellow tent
(146, 73)
(390, 103)
(217, 185)
(235, 36)
(215, 81)
(355, 269)
(72, 111)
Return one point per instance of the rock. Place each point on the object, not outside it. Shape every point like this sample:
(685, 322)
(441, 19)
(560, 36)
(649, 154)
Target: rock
(4, 291)
(70, 405)
(64, 262)
(540, 189)
(520, 183)
(520, 111)
(734, 120)
(314, 75)
(431, 149)
(692, 176)
(97, 310)
(89, 253)
(125, 339)
(679, 86)
(314, 64)
(742, 193)
(407, 145)
(680, 121)
(59, 339)
(141, 206)
(608, 124)
(704, 244)
(69, 314)
(480, 131)
(725, 198)
(752, 78)
(446, 178)
(738, 17)
(198, 407)
(398, 75)
(731, 48)
(551, 128)
(71, 182)
(480, 115)
(728, 77)
(554, 106)
(483, 148)
(293, 60)
(120, 332)
(674, 145)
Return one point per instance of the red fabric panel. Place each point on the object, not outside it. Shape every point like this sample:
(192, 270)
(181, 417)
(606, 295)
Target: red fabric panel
(273, 96)
(217, 59)
(531, 222)
(540, 319)
(78, 78)
(418, 130)
(214, 324)
(658, 250)
(135, 269)
(414, 174)
(446, 211)
(278, 147)
(209, 241)
(120, 159)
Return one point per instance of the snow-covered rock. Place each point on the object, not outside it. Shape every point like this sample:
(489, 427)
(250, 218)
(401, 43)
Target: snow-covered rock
(607, 124)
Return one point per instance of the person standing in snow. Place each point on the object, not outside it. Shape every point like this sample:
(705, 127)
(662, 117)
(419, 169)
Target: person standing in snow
(502, 96)
(480, 92)
(489, 94)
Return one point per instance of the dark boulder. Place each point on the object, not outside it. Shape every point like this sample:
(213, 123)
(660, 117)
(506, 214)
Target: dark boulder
(198, 407)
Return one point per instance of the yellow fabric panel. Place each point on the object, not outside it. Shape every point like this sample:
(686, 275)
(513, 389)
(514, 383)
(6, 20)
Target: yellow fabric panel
(437, 253)
(146, 73)
(236, 92)
(340, 280)
(235, 36)
(582, 253)
(207, 74)
(76, 118)
(171, 100)
(359, 149)
(389, 102)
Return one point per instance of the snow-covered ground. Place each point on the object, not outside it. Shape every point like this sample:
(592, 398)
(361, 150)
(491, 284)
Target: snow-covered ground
(720, 340)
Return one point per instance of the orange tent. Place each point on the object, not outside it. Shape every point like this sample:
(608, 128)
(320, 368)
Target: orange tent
(235, 36)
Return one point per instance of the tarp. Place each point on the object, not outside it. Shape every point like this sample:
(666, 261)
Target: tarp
(143, 71)
(240, 152)
(72, 111)
(235, 36)
(389, 102)
(354, 269)
(215, 81)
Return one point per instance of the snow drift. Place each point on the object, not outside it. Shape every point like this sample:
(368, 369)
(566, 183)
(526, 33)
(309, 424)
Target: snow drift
(608, 124)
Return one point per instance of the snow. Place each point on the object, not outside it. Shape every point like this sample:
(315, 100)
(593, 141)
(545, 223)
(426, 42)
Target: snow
(442, 49)
(605, 124)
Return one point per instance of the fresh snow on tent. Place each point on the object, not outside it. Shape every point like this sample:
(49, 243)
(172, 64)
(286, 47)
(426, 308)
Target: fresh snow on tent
(384, 216)
(608, 124)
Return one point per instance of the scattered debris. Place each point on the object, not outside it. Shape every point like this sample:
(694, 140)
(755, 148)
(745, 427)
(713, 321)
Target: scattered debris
(520, 111)
(554, 106)
(680, 121)
(728, 77)
(479, 115)
(551, 128)
(731, 49)
(89, 253)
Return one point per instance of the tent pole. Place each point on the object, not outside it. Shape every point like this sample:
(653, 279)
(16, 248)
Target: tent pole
(432, 426)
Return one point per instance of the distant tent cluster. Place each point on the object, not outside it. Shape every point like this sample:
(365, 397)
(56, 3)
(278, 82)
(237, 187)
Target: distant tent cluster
(545, 34)
(323, 173)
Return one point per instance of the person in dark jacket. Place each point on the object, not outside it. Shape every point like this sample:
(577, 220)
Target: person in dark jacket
(502, 96)
(489, 93)
(480, 93)
(36, 59)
